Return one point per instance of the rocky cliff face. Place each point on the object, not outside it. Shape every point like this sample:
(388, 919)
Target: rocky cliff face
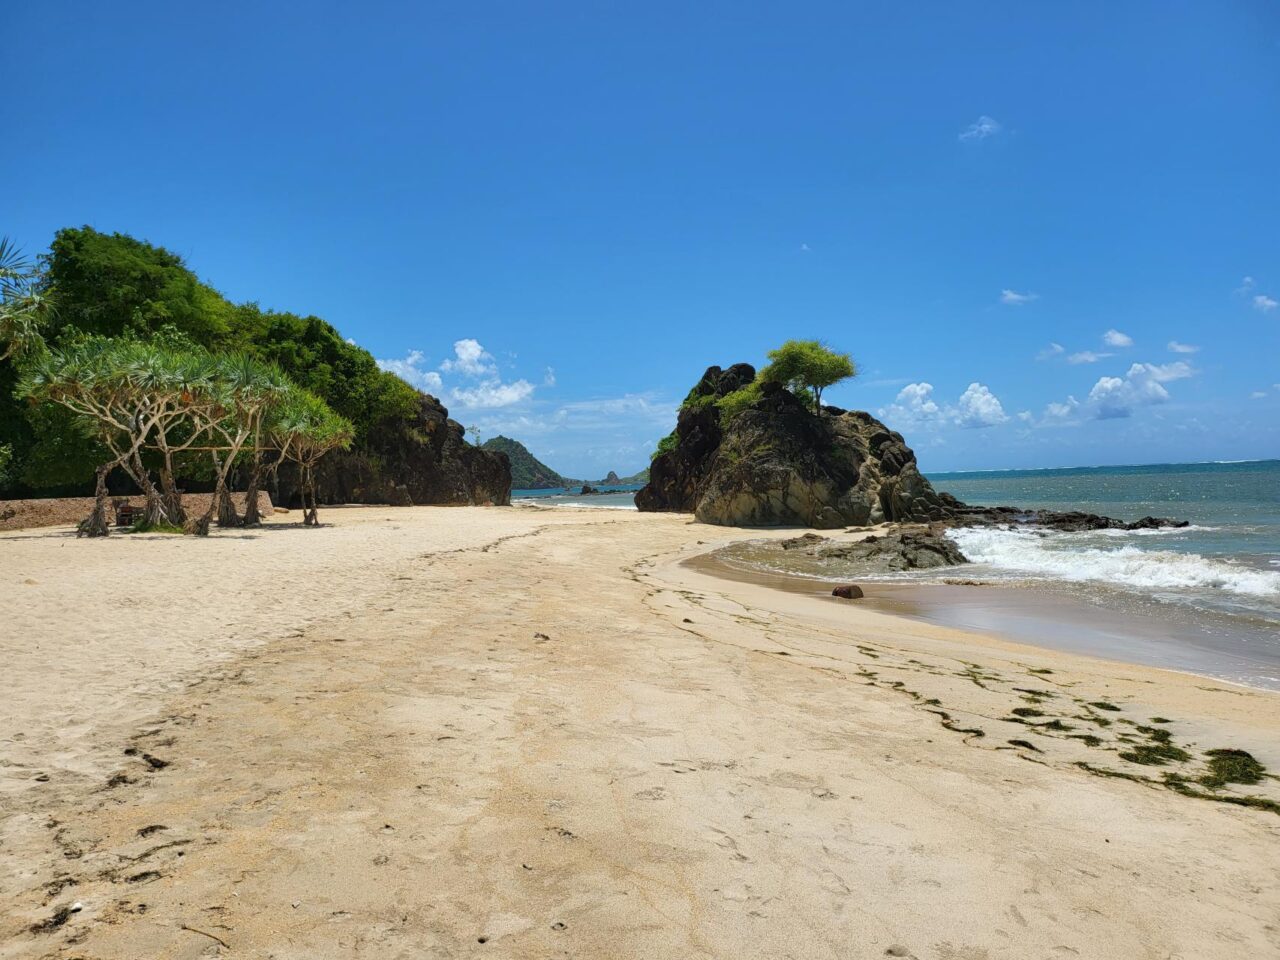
(779, 464)
(430, 463)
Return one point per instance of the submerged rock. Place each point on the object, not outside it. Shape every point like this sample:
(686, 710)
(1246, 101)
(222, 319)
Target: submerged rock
(894, 552)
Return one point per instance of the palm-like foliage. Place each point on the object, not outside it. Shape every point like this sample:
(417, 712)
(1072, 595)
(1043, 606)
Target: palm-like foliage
(304, 429)
(25, 305)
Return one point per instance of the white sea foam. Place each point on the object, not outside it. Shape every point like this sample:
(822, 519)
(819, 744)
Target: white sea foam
(1051, 556)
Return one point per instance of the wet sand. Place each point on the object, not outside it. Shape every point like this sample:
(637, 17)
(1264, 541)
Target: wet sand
(521, 733)
(1130, 631)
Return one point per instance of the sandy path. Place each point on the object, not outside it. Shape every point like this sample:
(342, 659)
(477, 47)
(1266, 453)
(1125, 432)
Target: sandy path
(561, 744)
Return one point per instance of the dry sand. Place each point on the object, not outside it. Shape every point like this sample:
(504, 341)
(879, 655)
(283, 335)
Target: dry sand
(433, 732)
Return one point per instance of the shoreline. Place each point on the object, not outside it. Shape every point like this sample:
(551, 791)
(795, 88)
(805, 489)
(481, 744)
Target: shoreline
(419, 727)
(1031, 614)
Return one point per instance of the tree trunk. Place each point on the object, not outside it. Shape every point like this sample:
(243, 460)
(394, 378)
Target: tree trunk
(155, 512)
(200, 525)
(169, 492)
(251, 516)
(96, 524)
(309, 514)
(227, 516)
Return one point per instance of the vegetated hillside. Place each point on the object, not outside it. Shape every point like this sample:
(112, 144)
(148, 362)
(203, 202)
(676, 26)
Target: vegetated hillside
(406, 448)
(530, 473)
(527, 471)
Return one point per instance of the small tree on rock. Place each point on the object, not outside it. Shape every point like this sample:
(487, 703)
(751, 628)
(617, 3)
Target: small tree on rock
(808, 367)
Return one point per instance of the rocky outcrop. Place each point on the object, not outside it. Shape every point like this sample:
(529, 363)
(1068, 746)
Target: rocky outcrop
(676, 477)
(895, 552)
(1062, 521)
(777, 463)
(429, 463)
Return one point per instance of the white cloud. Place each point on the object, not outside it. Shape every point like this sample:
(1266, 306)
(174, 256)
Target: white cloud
(1025, 416)
(1264, 303)
(1015, 299)
(549, 378)
(1062, 411)
(1259, 395)
(804, 248)
(1142, 385)
(1176, 347)
(470, 359)
(913, 404)
(1052, 350)
(411, 371)
(1088, 356)
(493, 393)
(979, 407)
(981, 128)
(1114, 338)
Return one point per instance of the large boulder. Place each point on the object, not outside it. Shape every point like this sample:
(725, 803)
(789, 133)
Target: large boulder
(429, 463)
(676, 477)
(777, 463)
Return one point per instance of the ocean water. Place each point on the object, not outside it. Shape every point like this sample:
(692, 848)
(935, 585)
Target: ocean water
(621, 497)
(1227, 560)
(1205, 598)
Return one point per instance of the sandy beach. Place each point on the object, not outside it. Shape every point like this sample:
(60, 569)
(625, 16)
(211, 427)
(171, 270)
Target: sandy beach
(471, 732)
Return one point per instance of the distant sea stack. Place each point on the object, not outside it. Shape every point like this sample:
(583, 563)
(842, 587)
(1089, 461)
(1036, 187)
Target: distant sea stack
(777, 463)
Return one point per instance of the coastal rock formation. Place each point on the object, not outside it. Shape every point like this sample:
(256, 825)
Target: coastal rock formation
(848, 591)
(778, 463)
(1061, 521)
(429, 464)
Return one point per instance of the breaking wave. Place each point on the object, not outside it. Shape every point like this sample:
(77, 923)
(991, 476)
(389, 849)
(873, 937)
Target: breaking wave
(1052, 556)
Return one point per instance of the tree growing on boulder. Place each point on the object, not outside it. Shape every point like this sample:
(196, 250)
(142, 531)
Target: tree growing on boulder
(807, 367)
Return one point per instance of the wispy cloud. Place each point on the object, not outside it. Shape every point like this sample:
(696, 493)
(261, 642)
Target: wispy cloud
(1015, 299)
(1264, 303)
(981, 128)
(1051, 351)
(1259, 395)
(1176, 347)
(1114, 338)
(1088, 356)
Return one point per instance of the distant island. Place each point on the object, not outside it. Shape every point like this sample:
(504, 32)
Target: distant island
(530, 473)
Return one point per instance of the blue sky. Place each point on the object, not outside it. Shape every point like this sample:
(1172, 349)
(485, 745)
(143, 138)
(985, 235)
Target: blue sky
(1049, 234)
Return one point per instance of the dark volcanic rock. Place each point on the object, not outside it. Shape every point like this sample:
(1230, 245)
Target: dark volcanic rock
(894, 552)
(848, 591)
(1062, 521)
(675, 477)
(777, 463)
(431, 463)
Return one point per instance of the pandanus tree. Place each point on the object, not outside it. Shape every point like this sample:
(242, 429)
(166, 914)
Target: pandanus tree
(26, 305)
(304, 429)
(241, 392)
(109, 385)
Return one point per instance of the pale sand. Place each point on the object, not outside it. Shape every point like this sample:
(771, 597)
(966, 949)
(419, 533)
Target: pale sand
(417, 729)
